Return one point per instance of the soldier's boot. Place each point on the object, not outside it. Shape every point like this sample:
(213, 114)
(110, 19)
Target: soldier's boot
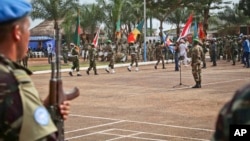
(199, 84)
(70, 73)
(78, 74)
(129, 68)
(204, 65)
(136, 69)
(233, 63)
(156, 67)
(107, 69)
(96, 72)
(196, 85)
(87, 71)
(112, 71)
(163, 67)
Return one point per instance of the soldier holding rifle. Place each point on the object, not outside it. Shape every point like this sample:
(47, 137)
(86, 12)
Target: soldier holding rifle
(23, 115)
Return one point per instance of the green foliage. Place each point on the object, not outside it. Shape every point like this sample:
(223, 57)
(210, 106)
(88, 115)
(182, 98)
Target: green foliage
(245, 6)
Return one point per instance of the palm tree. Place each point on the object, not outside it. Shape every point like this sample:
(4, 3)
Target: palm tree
(178, 17)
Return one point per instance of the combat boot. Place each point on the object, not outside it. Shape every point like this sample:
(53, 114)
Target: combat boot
(70, 73)
(199, 84)
(196, 85)
(129, 68)
(87, 72)
(107, 69)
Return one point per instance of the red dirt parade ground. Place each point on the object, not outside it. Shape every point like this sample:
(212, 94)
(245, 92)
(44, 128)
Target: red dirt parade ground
(148, 105)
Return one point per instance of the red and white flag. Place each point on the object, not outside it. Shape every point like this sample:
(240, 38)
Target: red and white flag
(186, 28)
(95, 40)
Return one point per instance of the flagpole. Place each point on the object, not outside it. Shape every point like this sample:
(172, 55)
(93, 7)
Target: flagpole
(145, 27)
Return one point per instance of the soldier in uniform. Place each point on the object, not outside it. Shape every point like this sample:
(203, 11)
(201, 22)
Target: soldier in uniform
(23, 116)
(213, 48)
(196, 56)
(92, 57)
(204, 48)
(110, 57)
(159, 54)
(134, 56)
(234, 112)
(75, 53)
(65, 53)
(234, 50)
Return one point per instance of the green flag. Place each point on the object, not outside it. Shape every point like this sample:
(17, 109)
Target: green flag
(140, 26)
(77, 31)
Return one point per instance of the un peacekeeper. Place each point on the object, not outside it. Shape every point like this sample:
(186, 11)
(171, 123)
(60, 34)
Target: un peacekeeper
(75, 52)
(196, 56)
(23, 116)
(234, 112)
(92, 57)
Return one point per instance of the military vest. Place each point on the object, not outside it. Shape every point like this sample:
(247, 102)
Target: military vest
(35, 121)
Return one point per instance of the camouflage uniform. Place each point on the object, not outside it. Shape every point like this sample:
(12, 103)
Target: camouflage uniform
(75, 52)
(236, 111)
(92, 57)
(234, 50)
(134, 56)
(65, 54)
(110, 57)
(19, 103)
(159, 55)
(196, 56)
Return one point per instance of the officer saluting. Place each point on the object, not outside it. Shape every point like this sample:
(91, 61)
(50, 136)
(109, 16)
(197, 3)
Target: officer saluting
(23, 115)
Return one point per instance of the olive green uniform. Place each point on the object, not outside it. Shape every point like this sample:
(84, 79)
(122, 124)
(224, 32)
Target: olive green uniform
(92, 63)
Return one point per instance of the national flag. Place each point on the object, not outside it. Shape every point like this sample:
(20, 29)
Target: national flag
(131, 38)
(138, 29)
(195, 30)
(95, 40)
(78, 31)
(186, 28)
(118, 29)
(201, 32)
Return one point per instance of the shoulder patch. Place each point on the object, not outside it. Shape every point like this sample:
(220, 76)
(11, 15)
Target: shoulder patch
(41, 116)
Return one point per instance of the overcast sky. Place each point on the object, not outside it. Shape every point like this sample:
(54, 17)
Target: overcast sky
(156, 23)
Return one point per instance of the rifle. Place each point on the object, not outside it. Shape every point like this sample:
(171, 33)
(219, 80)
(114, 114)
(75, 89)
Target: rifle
(56, 93)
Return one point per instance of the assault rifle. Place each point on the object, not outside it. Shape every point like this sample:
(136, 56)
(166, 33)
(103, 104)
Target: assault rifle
(56, 93)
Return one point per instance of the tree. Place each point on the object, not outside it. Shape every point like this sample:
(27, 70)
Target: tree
(245, 6)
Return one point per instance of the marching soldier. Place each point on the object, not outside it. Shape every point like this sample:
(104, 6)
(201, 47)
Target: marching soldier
(234, 50)
(134, 56)
(65, 53)
(92, 57)
(75, 50)
(159, 54)
(196, 56)
(110, 57)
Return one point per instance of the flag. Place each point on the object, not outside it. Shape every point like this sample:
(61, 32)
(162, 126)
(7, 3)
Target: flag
(78, 31)
(195, 30)
(186, 27)
(131, 38)
(118, 29)
(138, 29)
(201, 32)
(95, 40)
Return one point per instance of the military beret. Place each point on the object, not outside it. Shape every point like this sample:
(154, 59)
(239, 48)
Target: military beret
(12, 10)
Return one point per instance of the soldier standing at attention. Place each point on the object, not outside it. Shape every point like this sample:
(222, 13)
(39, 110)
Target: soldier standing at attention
(134, 56)
(159, 54)
(234, 50)
(75, 52)
(213, 48)
(23, 116)
(196, 56)
(204, 48)
(92, 57)
(110, 57)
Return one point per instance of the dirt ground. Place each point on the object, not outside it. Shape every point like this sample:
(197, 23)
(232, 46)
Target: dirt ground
(148, 105)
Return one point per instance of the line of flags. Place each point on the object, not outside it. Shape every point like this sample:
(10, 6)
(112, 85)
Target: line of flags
(198, 29)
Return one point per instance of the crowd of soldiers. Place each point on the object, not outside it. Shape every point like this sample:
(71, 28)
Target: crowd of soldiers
(228, 48)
